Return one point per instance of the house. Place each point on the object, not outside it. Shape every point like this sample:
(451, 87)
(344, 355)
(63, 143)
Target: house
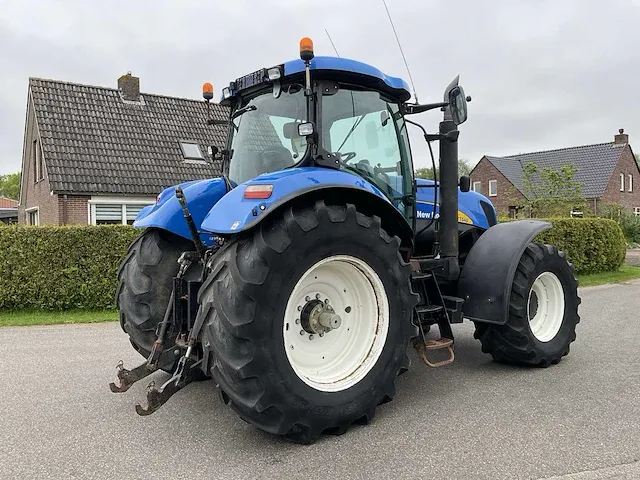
(97, 155)
(607, 173)
(8, 210)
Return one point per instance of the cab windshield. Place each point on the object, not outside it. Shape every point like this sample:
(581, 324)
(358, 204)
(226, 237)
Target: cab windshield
(264, 133)
(365, 130)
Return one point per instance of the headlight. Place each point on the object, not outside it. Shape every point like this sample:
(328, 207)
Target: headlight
(274, 73)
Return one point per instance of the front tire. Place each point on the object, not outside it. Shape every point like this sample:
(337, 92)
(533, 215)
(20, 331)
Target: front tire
(543, 311)
(270, 365)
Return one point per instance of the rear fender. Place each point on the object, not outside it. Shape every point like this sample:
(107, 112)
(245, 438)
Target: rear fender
(489, 269)
(167, 213)
(234, 213)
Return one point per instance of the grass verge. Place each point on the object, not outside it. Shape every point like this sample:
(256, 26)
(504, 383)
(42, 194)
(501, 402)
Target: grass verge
(19, 318)
(625, 273)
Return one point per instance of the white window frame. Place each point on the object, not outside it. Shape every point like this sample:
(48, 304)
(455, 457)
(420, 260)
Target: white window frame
(622, 182)
(636, 210)
(189, 158)
(478, 188)
(38, 163)
(630, 182)
(122, 201)
(30, 210)
(495, 193)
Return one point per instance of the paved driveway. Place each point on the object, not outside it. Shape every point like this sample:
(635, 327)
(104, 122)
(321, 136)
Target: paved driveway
(473, 419)
(632, 257)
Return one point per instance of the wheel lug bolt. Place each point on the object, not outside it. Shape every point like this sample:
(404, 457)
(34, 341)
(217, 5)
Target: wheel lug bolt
(317, 296)
(327, 301)
(310, 337)
(297, 321)
(299, 308)
(307, 298)
(301, 332)
(322, 334)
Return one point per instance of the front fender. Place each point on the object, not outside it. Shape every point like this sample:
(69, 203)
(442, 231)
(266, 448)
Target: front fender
(234, 213)
(167, 213)
(489, 269)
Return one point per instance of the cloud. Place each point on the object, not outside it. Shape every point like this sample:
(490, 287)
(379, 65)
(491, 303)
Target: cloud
(542, 74)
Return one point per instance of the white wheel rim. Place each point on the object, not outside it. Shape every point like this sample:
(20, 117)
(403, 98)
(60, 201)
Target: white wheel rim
(341, 357)
(548, 317)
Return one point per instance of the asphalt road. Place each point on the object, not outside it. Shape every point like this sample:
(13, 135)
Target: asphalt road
(578, 420)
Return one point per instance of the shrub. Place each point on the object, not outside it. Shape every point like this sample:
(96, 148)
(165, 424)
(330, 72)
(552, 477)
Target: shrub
(628, 221)
(49, 267)
(591, 244)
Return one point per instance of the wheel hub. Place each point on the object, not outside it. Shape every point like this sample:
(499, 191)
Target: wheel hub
(318, 317)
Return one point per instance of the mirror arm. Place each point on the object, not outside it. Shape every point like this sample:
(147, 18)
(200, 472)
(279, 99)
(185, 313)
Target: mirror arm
(411, 109)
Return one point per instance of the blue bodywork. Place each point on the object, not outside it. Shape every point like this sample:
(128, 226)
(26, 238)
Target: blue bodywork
(234, 213)
(215, 212)
(167, 213)
(469, 208)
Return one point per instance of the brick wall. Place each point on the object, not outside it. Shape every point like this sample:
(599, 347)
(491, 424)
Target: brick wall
(73, 209)
(33, 192)
(626, 166)
(507, 195)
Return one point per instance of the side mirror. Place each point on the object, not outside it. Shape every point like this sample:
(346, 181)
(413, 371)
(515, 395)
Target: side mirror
(215, 152)
(465, 183)
(458, 105)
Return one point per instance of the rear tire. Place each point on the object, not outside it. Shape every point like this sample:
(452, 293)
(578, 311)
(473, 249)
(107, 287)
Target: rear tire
(543, 311)
(251, 301)
(146, 281)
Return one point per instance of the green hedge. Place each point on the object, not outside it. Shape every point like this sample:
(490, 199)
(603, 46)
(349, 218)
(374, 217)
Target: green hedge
(59, 268)
(75, 267)
(592, 244)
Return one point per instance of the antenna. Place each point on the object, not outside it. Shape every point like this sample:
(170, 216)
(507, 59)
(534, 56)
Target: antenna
(400, 46)
(334, 47)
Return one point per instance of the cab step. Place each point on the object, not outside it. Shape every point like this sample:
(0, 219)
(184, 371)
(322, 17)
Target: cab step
(423, 346)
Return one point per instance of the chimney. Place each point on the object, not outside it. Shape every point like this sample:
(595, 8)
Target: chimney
(622, 138)
(129, 86)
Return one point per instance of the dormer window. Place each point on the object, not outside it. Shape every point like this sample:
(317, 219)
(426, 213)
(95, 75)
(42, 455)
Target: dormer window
(191, 152)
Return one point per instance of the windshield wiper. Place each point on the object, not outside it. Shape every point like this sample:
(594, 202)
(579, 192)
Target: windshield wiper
(242, 111)
(355, 124)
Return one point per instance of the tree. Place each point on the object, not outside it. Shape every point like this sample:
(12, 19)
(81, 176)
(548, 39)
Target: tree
(551, 192)
(10, 185)
(463, 169)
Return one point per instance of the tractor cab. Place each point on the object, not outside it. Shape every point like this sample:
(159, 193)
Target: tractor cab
(322, 112)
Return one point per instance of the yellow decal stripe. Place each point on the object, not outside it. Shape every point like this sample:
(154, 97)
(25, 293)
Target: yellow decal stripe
(464, 218)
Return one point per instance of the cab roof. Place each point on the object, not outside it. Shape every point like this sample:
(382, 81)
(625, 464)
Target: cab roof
(359, 70)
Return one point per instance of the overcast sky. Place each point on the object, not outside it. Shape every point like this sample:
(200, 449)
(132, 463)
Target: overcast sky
(542, 73)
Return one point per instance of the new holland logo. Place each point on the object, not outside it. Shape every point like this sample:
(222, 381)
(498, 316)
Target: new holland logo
(462, 217)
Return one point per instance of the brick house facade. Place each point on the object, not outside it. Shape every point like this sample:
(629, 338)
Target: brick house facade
(97, 155)
(607, 173)
(8, 210)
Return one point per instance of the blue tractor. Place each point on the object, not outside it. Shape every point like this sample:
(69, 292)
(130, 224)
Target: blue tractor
(298, 278)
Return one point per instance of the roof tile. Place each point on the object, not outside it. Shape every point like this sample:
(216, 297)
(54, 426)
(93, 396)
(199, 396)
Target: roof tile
(93, 142)
(594, 164)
